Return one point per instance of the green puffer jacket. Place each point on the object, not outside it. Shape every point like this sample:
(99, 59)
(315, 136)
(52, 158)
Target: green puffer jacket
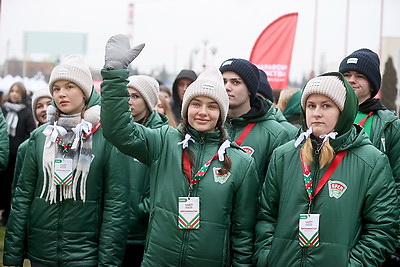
(266, 135)
(363, 217)
(68, 232)
(4, 142)
(290, 128)
(387, 139)
(140, 189)
(227, 206)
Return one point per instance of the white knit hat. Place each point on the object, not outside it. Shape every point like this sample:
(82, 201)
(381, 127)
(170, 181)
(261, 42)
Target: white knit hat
(147, 86)
(73, 69)
(330, 86)
(42, 92)
(210, 84)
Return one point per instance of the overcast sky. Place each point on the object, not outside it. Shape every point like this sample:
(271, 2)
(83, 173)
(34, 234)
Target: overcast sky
(173, 29)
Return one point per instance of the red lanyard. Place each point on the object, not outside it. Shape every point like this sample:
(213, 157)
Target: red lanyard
(94, 129)
(245, 132)
(362, 122)
(307, 177)
(187, 169)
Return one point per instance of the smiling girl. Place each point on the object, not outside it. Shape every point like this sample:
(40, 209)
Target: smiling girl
(203, 188)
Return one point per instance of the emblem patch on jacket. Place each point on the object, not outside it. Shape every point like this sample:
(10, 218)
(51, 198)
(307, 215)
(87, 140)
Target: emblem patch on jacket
(218, 178)
(249, 150)
(336, 189)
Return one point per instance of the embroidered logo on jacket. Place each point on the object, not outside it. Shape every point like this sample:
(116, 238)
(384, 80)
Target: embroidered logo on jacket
(218, 178)
(336, 189)
(248, 149)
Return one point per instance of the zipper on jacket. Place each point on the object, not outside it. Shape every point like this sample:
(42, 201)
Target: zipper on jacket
(186, 233)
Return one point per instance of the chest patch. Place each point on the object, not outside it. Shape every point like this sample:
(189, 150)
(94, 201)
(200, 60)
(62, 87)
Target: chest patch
(248, 149)
(336, 189)
(218, 178)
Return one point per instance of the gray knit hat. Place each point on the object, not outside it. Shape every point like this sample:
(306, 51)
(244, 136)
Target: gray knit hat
(210, 84)
(148, 87)
(73, 69)
(330, 86)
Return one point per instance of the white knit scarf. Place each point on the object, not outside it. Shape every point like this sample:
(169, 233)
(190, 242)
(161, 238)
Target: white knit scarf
(12, 116)
(80, 153)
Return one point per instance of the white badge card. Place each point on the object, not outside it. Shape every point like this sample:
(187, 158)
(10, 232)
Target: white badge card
(62, 171)
(189, 213)
(309, 230)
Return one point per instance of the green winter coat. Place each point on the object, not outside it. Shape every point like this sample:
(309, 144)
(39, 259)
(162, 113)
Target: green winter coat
(227, 206)
(385, 135)
(290, 128)
(266, 135)
(4, 142)
(68, 232)
(140, 189)
(358, 205)
(356, 229)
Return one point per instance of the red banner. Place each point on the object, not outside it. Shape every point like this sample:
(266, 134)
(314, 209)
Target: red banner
(272, 52)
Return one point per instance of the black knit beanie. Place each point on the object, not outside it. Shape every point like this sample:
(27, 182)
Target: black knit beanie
(366, 62)
(247, 71)
(264, 87)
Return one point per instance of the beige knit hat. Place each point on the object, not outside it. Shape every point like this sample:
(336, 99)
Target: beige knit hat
(42, 92)
(147, 86)
(330, 86)
(210, 84)
(73, 69)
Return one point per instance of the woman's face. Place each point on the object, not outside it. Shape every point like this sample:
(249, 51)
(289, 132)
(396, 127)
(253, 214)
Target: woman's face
(69, 97)
(138, 105)
(41, 109)
(203, 114)
(322, 114)
(15, 95)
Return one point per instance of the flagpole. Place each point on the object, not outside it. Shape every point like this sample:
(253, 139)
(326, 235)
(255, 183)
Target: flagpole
(346, 29)
(312, 74)
(381, 30)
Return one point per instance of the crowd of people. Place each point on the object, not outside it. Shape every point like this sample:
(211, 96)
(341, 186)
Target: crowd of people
(215, 171)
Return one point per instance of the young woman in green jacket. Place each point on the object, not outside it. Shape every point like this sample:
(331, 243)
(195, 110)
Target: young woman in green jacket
(203, 188)
(329, 197)
(69, 206)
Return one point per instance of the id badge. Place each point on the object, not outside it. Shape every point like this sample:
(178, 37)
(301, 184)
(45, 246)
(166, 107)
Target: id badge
(309, 230)
(62, 171)
(189, 213)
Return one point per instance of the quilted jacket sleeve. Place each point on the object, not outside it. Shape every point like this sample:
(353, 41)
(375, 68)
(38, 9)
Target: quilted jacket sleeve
(4, 142)
(243, 219)
(380, 218)
(267, 215)
(114, 232)
(21, 203)
(119, 129)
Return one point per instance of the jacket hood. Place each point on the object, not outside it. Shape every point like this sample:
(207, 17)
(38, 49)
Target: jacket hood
(189, 74)
(293, 107)
(350, 108)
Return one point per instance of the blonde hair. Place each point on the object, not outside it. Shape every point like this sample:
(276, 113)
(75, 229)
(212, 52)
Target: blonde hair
(284, 97)
(326, 153)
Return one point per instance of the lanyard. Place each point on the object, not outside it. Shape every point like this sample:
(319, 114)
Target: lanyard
(245, 132)
(187, 169)
(307, 177)
(362, 122)
(85, 136)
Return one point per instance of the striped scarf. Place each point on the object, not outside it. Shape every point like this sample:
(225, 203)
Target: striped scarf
(80, 153)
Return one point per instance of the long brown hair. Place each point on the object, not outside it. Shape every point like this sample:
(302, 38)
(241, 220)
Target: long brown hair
(227, 161)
